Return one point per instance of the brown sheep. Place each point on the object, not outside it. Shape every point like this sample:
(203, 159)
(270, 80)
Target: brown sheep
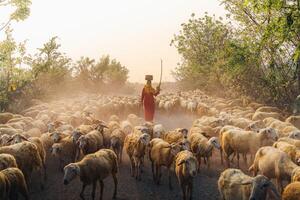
(27, 157)
(186, 170)
(92, 168)
(291, 191)
(135, 147)
(90, 143)
(6, 161)
(17, 138)
(117, 142)
(161, 153)
(12, 183)
(65, 151)
(233, 184)
(273, 163)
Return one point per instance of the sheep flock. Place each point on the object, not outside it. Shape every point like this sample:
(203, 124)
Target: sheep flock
(253, 149)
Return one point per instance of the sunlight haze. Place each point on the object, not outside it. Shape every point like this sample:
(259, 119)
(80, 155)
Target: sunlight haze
(135, 32)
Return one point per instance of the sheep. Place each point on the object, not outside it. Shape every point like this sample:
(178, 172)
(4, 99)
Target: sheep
(6, 161)
(27, 157)
(47, 141)
(295, 120)
(268, 109)
(92, 168)
(175, 136)
(290, 141)
(9, 131)
(12, 183)
(273, 163)
(117, 142)
(90, 143)
(295, 135)
(5, 117)
(4, 140)
(291, 191)
(290, 150)
(17, 138)
(158, 131)
(161, 153)
(126, 127)
(112, 125)
(258, 115)
(233, 184)
(239, 141)
(56, 136)
(135, 147)
(65, 151)
(114, 118)
(186, 170)
(203, 147)
(296, 174)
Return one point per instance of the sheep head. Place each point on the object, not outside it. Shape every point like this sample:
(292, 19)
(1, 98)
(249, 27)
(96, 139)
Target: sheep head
(269, 133)
(55, 136)
(261, 185)
(71, 171)
(174, 149)
(215, 142)
(17, 138)
(295, 135)
(189, 166)
(56, 149)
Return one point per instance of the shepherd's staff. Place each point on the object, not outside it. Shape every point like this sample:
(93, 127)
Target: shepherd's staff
(161, 69)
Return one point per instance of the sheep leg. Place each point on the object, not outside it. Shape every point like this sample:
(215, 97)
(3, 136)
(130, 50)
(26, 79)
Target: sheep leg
(132, 167)
(158, 174)
(170, 182)
(245, 159)
(279, 185)
(238, 160)
(115, 184)
(45, 171)
(101, 189)
(152, 169)
(94, 189)
(82, 191)
(221, 154)
(208, 162)
(24, 191)
(190, 189)
(183, 189)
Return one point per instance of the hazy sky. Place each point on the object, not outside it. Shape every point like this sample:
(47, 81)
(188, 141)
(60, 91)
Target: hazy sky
(135, 32)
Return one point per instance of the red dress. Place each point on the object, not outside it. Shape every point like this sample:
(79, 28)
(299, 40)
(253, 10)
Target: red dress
(149, 102)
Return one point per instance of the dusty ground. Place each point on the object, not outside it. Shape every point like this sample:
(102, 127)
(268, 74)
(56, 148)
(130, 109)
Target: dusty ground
(205, 184)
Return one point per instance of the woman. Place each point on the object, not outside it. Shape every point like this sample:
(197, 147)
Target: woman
(148, 99)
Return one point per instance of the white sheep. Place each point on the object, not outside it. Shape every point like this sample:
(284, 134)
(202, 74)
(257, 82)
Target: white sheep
(273, 163)
(233, 184)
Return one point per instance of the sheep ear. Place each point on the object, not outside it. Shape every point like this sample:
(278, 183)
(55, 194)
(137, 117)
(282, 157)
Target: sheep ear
(24, 138)
(181, 162)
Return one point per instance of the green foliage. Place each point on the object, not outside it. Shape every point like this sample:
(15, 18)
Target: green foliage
(20, 13)
(105, 72)
(258, 56)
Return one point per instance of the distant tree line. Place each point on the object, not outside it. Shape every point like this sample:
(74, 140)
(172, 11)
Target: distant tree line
(254, 51)
(49, 71)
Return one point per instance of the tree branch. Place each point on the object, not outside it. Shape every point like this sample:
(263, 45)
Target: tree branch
(5, 25)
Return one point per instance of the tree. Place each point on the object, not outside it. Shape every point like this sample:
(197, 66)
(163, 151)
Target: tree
(50, 67)
(21, 11)
(201, 43)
